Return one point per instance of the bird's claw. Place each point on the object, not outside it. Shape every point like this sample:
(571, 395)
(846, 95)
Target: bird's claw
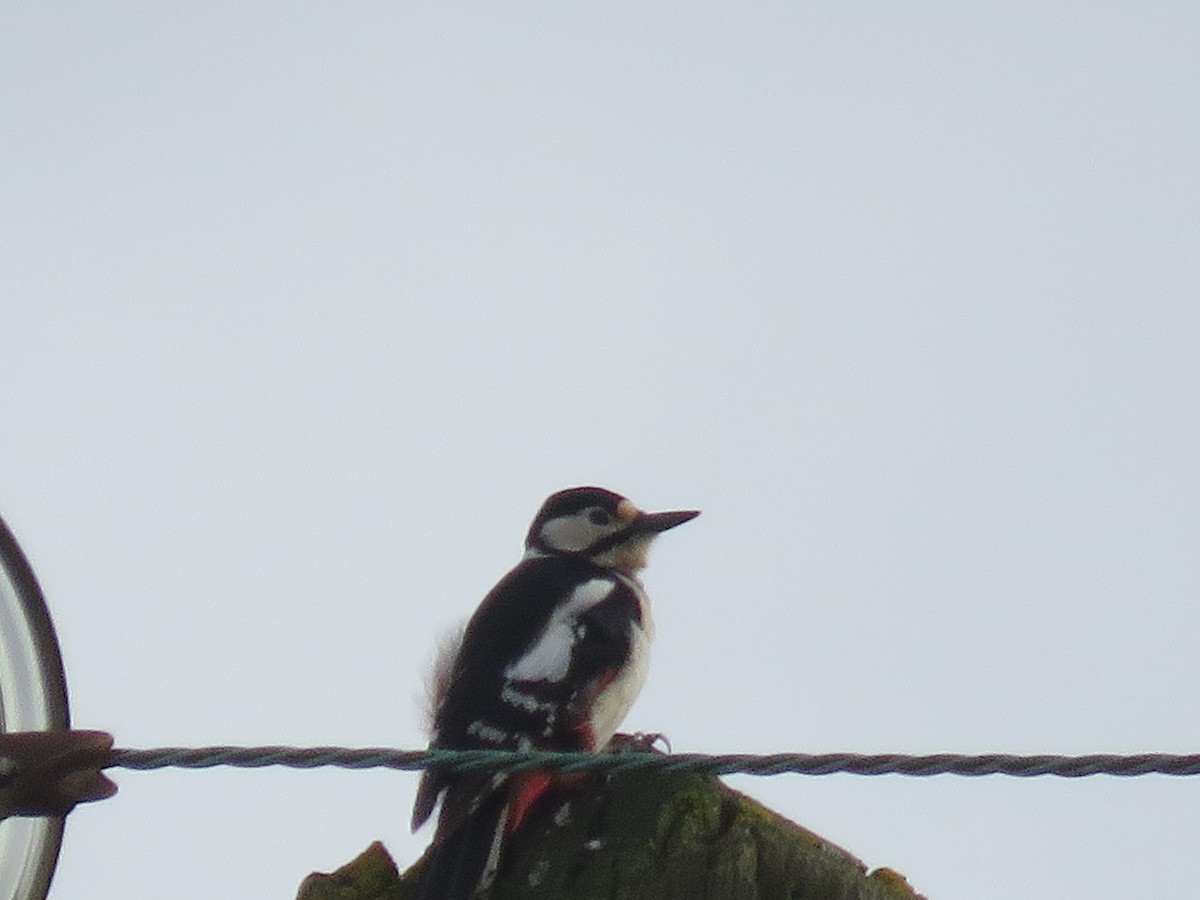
(639, 742)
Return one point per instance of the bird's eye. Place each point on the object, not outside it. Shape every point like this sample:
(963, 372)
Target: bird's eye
(599, 517)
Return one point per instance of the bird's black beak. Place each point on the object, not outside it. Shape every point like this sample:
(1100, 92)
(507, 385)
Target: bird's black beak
(653, 523)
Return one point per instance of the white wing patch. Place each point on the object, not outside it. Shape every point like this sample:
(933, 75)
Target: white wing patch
(549, 657)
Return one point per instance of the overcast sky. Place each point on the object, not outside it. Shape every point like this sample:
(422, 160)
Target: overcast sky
(305, 308)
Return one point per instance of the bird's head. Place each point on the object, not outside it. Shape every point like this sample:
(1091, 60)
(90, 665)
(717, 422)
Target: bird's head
(601, 526)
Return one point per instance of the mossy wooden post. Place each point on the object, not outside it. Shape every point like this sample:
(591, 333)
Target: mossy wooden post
(646, 836)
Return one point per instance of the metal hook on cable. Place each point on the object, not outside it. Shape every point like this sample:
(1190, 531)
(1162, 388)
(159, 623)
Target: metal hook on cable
(45, 769)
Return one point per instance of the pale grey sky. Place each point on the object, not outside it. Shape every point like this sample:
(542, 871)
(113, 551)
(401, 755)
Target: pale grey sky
(306, 307)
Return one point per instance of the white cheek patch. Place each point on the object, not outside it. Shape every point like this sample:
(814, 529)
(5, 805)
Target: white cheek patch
(572, 533)
(549, 657)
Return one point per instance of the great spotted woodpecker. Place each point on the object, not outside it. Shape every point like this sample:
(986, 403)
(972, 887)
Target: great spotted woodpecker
(552, 660)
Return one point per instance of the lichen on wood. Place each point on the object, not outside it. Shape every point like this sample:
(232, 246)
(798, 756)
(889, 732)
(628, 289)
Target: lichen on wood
(646, 836)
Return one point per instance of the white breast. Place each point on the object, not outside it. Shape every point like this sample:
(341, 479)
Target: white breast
(615, 701)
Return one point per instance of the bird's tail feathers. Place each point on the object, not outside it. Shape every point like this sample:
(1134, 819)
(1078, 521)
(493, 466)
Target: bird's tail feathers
(462, 860)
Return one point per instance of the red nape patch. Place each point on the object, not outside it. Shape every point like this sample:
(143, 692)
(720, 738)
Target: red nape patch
(526, 789)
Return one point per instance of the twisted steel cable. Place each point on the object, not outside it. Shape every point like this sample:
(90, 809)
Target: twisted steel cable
(639, 761)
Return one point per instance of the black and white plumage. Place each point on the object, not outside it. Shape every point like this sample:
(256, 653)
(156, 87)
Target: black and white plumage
(552, 659)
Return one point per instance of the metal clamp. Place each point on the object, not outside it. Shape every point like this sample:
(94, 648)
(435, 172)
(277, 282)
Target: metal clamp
(45, 769)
